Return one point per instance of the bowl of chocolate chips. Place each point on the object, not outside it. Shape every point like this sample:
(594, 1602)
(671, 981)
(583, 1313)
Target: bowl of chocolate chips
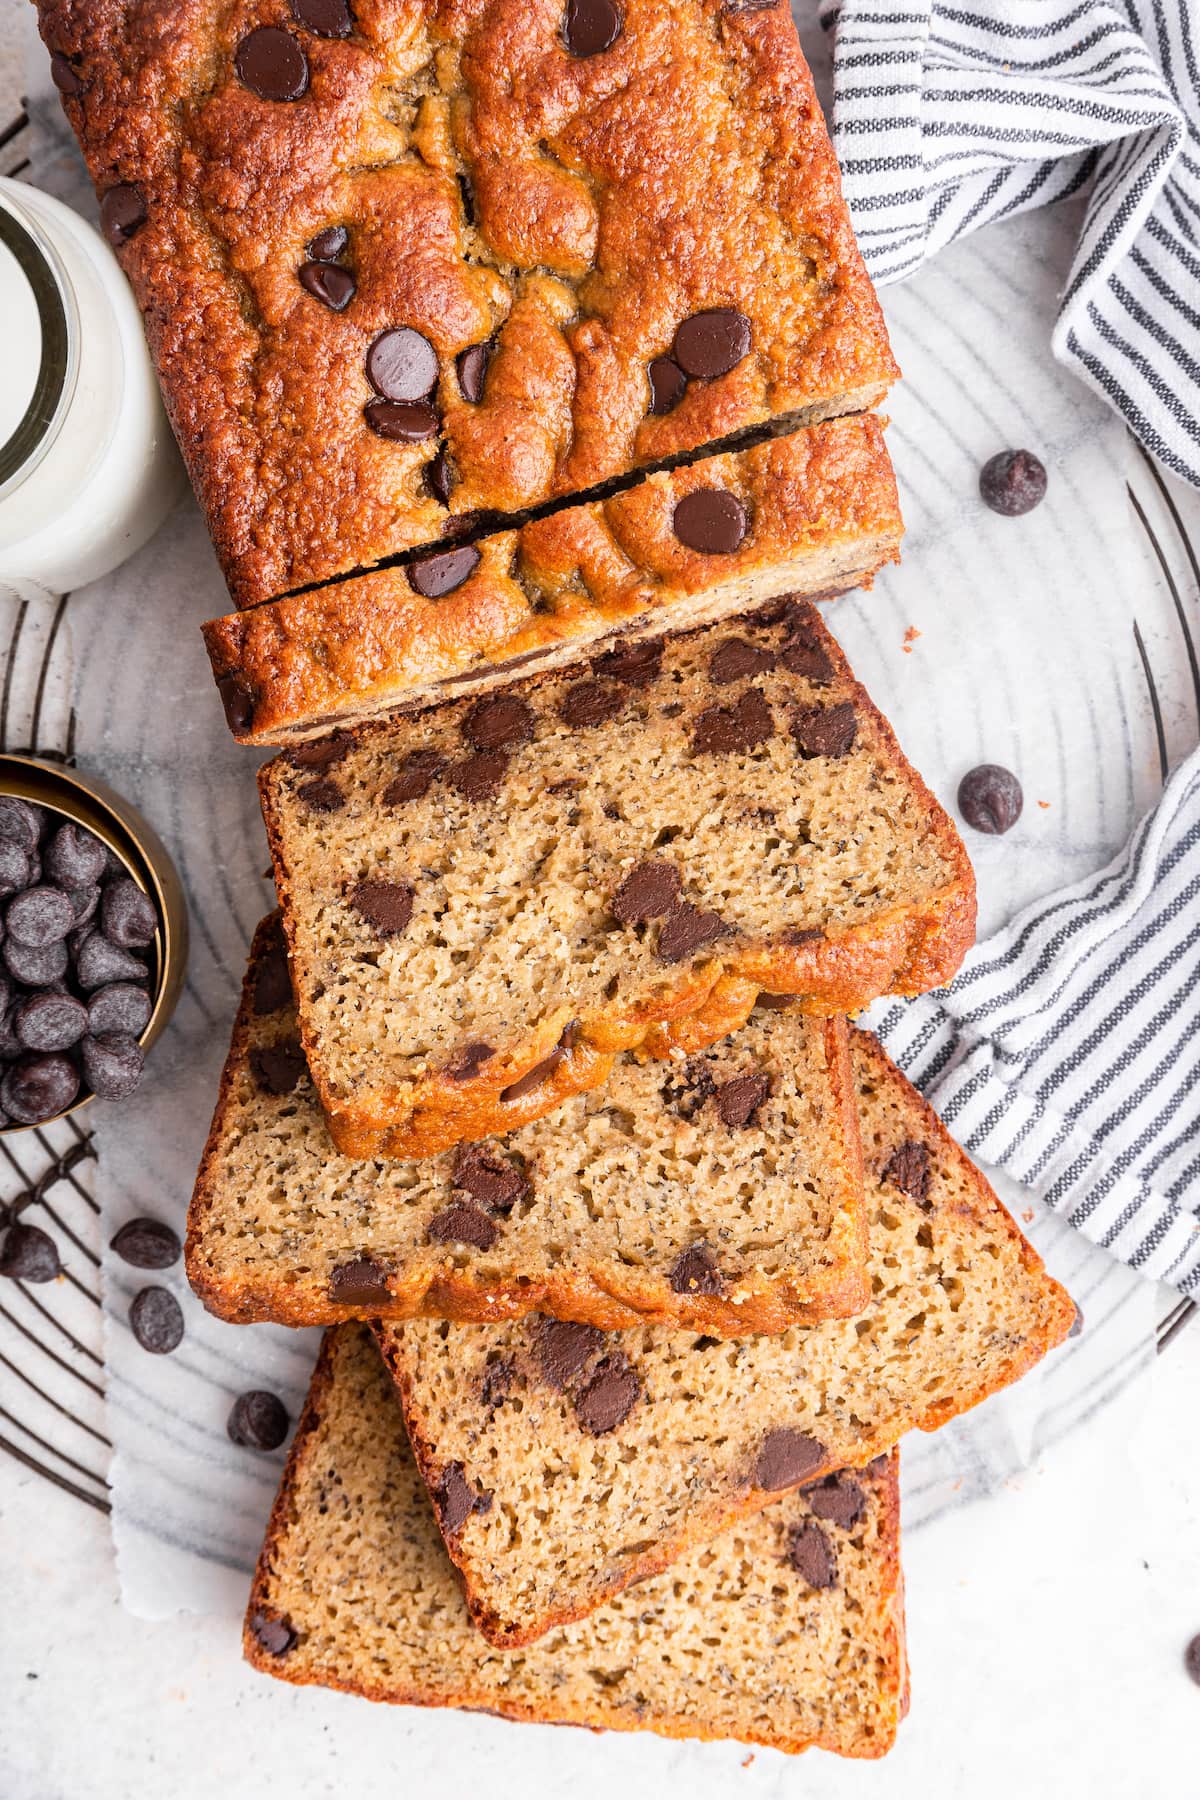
(93, 942)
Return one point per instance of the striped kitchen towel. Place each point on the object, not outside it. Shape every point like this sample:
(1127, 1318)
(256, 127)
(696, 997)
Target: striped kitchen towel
(1067, 1050)
(947, 116)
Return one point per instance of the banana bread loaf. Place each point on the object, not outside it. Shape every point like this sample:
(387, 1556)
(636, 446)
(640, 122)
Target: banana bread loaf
(788, 1631)
(566, 1463)
(724, 1192)
(814, 513)
(404, 261)
(486, 900)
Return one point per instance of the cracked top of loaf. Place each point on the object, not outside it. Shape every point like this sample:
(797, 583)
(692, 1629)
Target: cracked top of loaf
(406, 259)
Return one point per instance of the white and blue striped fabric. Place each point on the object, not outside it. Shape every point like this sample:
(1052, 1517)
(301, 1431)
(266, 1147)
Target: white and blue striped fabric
(948, 116)
(1067, 1050)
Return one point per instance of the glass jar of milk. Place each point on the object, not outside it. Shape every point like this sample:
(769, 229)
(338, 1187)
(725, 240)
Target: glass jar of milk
(88, 467)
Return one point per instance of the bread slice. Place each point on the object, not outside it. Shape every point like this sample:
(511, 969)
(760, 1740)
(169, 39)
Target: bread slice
(722, 1192)
(819, 514)
(487, 900)
(566, 1464)
(788, 1631)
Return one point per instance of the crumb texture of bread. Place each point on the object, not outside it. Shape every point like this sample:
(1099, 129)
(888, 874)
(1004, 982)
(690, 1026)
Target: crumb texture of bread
(541, 224)
(590, 862)
(593, 1459)
(723, 1191)
(788, 1632)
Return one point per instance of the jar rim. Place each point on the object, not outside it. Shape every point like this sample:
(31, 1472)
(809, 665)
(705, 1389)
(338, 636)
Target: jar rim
(52, 295)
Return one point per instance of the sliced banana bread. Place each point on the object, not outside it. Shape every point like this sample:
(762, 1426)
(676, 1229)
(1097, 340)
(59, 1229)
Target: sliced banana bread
(486, 900)
(723, 1192)
(788, 1631)
(566, 1463)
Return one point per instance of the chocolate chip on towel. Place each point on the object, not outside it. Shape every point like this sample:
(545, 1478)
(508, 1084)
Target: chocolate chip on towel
(1012, 483)
(990, 799)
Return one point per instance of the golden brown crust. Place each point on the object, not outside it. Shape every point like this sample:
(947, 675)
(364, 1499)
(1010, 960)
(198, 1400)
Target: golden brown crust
(823, 515)
(577, 172)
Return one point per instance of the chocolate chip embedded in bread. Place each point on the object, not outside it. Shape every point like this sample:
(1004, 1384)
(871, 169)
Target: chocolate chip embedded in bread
(325, 18)
(433, 577)
(272, 64)
(272, 979)
(277, 1068)
(498, 1380)
(466, 1062)
(811, 1554)
(363, 1282)
(738, 1100)
(65, 78)
(239, 700)
(636, 665)
(462, 1223)
(695, 1271)
(562, 1350)
(385, 905)
(273, 1632)
(712, 342)
(455, 1498)
(608, 1397)
(496, 722)
(687, 929)
(668, 384)
(649, 891)
(329, 244)
(729, 730)
(908, 1169)
(472, 367)
(415, 779)
(122, 213)
(489, 1177)
(824, 730)
(736, 658)
(590, 703)
(320, 753)
(543, 1070)
(1076, 1322)
(402, 364)
(686, 1089)
(480, 776)
(329, 283)
(803, 652)
(787, 1458)
(777, 1002)
(438, 478)
(840, 1499)
(403, 421)
(711, 521)
(591, 26)
(321, 796)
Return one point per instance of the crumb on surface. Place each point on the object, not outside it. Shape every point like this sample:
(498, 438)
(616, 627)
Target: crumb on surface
(910, 638)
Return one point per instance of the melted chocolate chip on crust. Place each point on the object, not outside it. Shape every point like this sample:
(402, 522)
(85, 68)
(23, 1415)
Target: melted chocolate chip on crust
(495, 723)
(437, 477)
(787, 1458)
(667, 384)
(472, 367)
(711, 521)
(736, 658)
(649, 891)
(238, 699)
(272, 64)
(402, 364)
(324, 18)
(122, 213)
(637, 664)
(712, 342)
(332, 285)
(273, 1632)
(562, 1350)
(480, 776)
(609, 1397)
(730, 730)
(695, 1271)
(811, 1554)
(385, 905)
(687, 929)
(433, 577)
(415, 779)
(590, 703)
(362, 1282)
(824, 730)
(591, 26)
(403, 421)
(739, 1100)
(840, 1499)
(64, 77)
(489, 1178)
(456, 1499)
(533, 1078)
(462, 1223)
(329, 244)
(908, 1169)
(277, 1068)
(466, 1062)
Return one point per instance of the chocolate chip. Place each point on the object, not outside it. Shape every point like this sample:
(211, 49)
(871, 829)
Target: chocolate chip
(710, 520)
(74, 858)
(437, 478)
(563, 1349)
(363, 1282)
(84, 902)
(533, 1078)
(19, 822)
(147, 1244)
(385, 905)
(14, 867)
(738, 1100)
(332, 285)
(38, 1088)
(908, 1169)
(156, 1321)
(590, 703)
(736, 658)
(729, 730)
(498, 1380)
(402, 364)
(113, 1064)
(325, 18)
(1012, 483)
(607, 1400)
(97, 962)
(667, 384)
(590, 26)
(506, 719)
(272, 64)
(803, 653)
(686, 1089)
(811, 1555)
(272, 981)
(277, 1068)
(434, 576)
(321, 796)
(28, 1254)
(479, 777)
(787, 1458)
(127, 915)
(39, 916)
(122, 213)
(257, 1421)
(456, 1499)
(649, 891)
(472, 368)
(636, 665)
(695, 1271)
(990, 799)
(404, 421)
(64, 77)
(839, 1499)
(777, 1002)
(489, 1177)
(238, 699)
(1191, 1660)
(466, 1063)
(329, 244)
(415, 779)
(712, 342)
(273, 1633)
(687, 929)
(39, 965)
(461, 1223)
(1076, 1322)
(48, 1021)
(824, 730)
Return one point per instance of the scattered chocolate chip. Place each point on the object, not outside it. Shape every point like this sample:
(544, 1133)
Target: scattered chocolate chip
(710, 520)
(435, 576)
(385, 905)
(156, 1321)
(636, 665)
(147, 1244)
(325, 18)
(113, 1064)
(497, 1383)
(839, 1499)
(590, 703)
(48, 1021)
(41, 965)
(39, 916)
(404, 421)
(824, 730)
(273, 1633)
(667, 384)
(1012, 483)
(277, 1068)
(329, 244)
(238, 699)
(711, 343)
(84, 902)
(803, 653)
(74, 858)
(272, 981)
(321, 796)
(38, 1088)
(466, 1062)
(127, 915)
(590, 26)
(402, 364)
(811, 1555)
(98, 962)
(19, 823)
(363, 1282)
(415, 779)
(28, 1254)
(738, 1100)
(695, 1271)
(272, 64)
(329, 283)
(736, 658)
(481, 776)
(649, 891)
(257, 1421)
(687, 929)
(738, 729)
(990, 799)
(472, 368)
(686, 1088)
(1191, 1660)
(562, 1350)
(908, 1169)
(65, 78)
(437, 478)
(456, 1499)
(14, 867)
(786, 1459)
(609, 1397)
(489, 1178)
(122, 213)
(495, 722)
(462, 1223)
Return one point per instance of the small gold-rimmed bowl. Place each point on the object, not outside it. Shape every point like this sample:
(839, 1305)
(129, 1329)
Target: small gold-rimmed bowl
(83, 799)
